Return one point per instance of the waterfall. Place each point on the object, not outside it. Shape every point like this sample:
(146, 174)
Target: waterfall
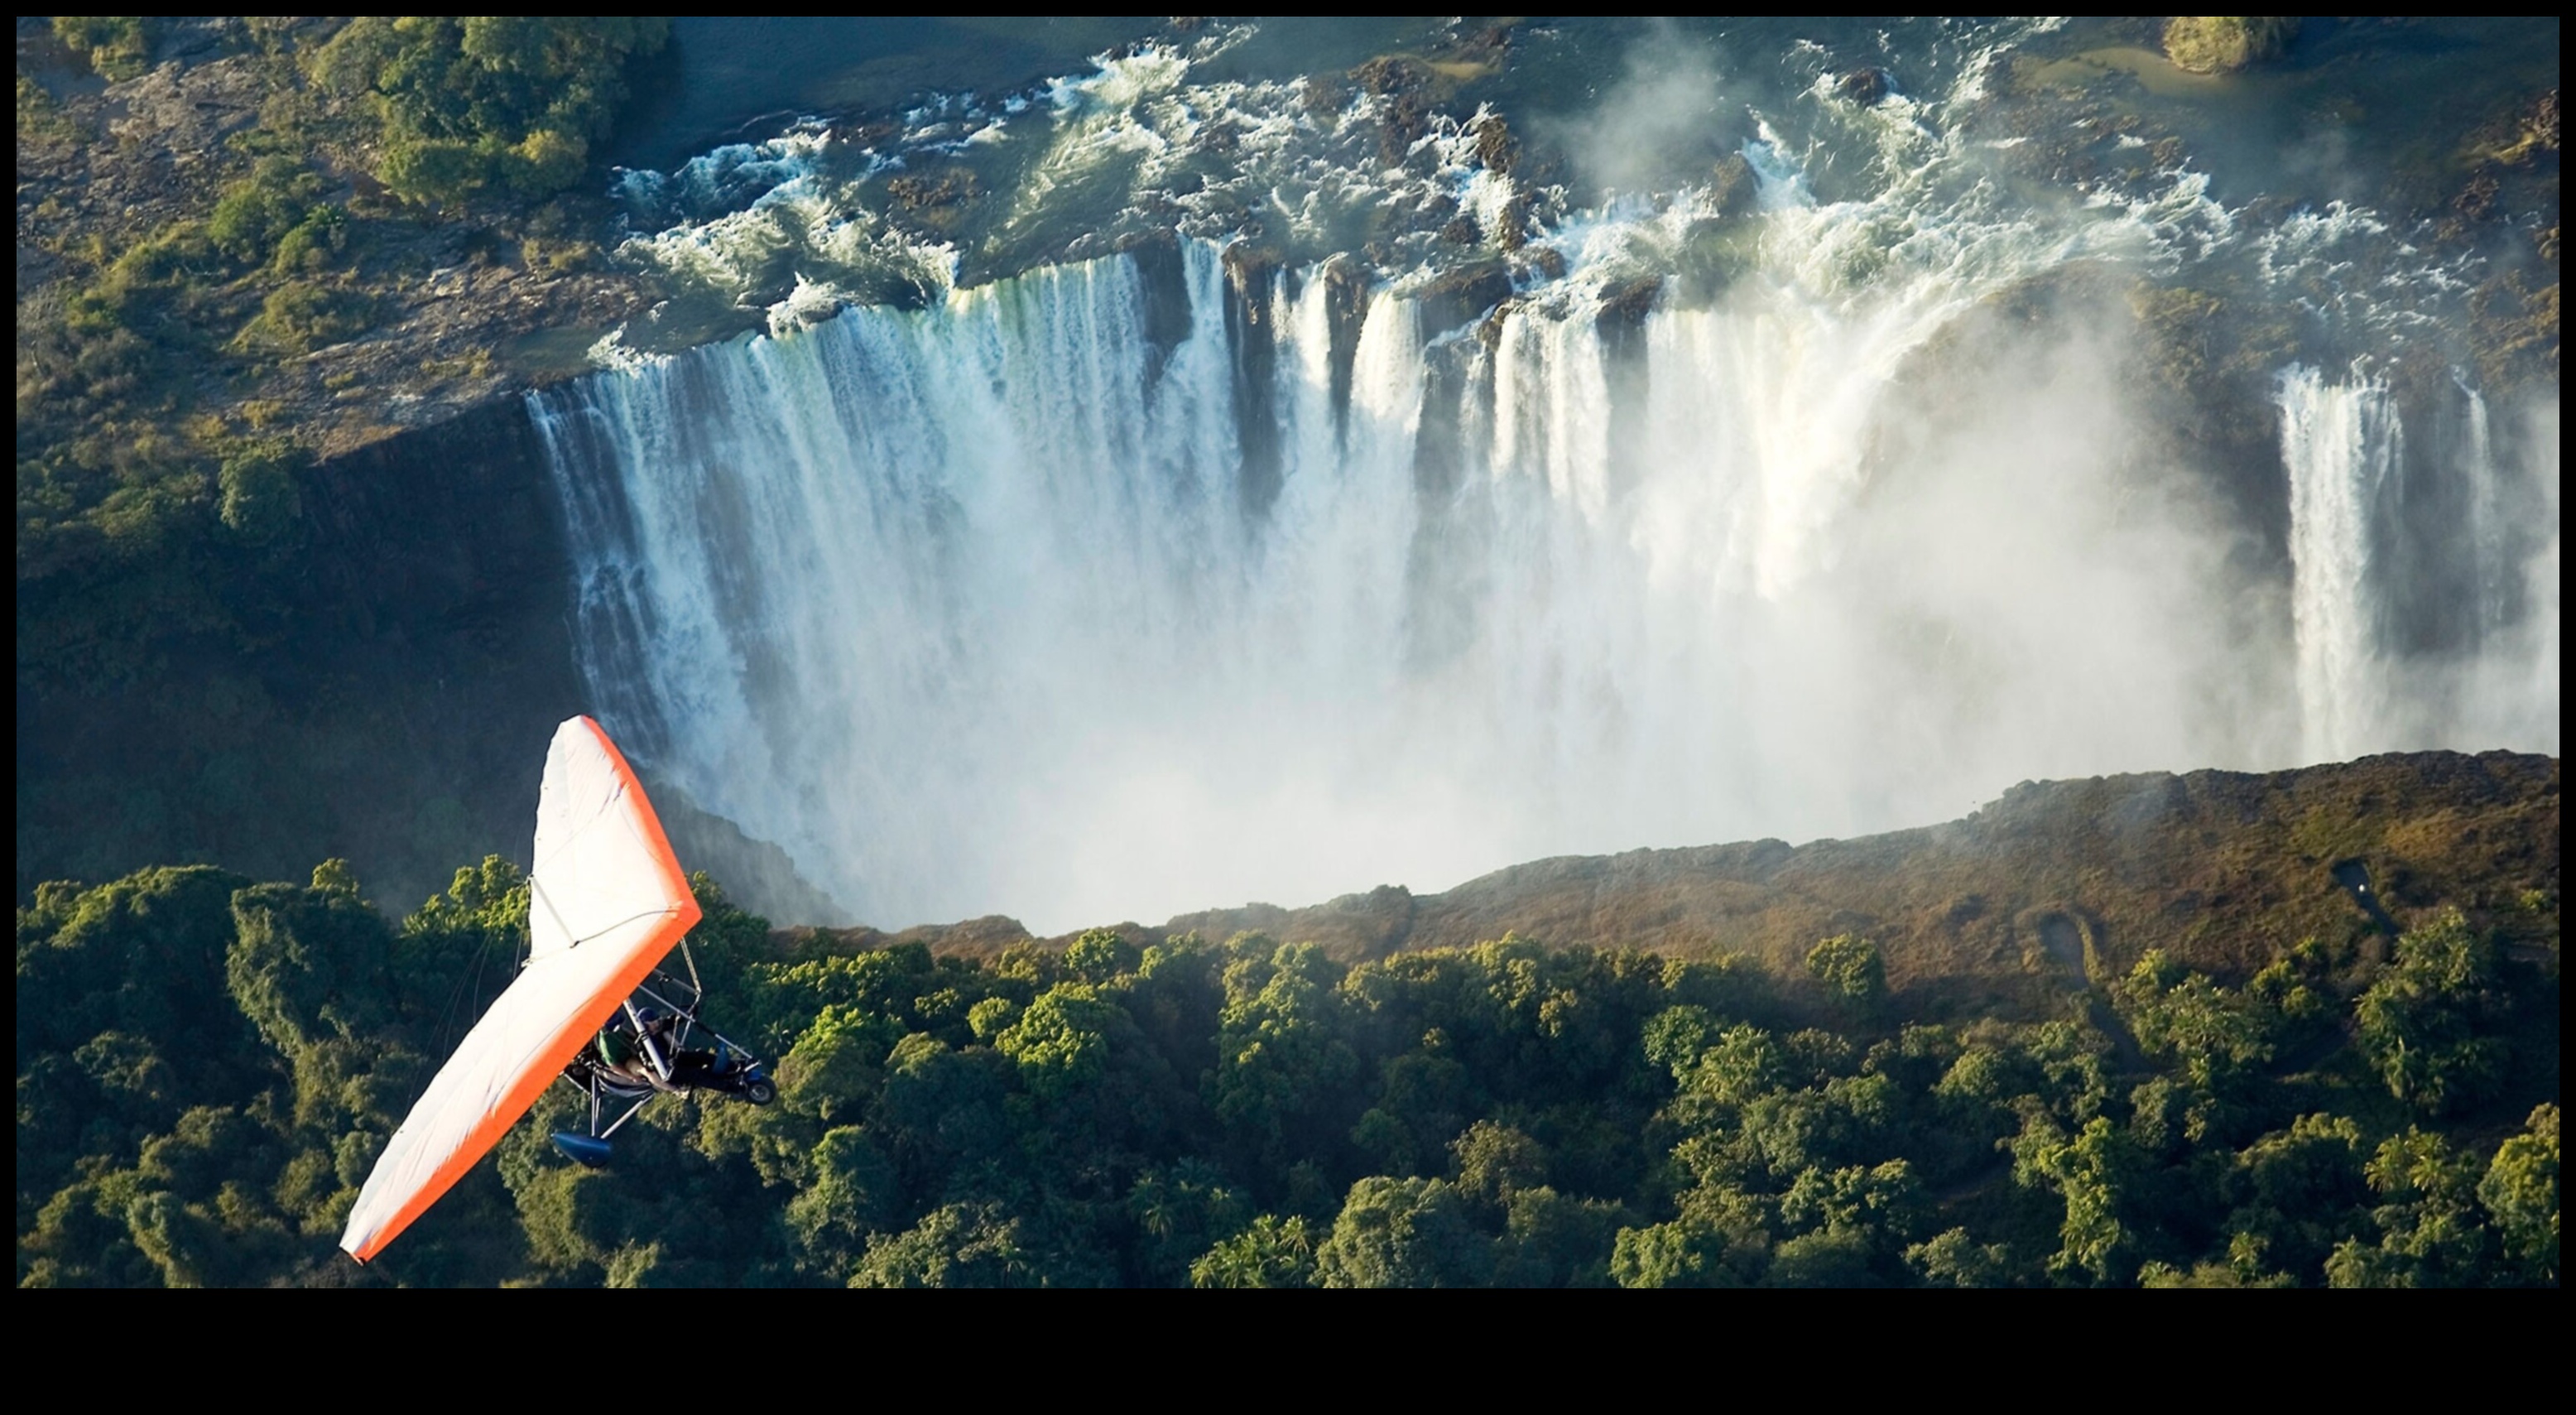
(975, 607)
(2341, 443)
(1440, 523)
(2489, 560)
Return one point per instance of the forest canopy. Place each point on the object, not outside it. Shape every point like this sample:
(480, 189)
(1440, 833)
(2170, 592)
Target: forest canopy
(207, 1067)
(487, 102)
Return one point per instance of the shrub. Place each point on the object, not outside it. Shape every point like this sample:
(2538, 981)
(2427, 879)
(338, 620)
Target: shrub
(260, 502)
(117, 46)
(2422, 1025)
(2217, 44)
(299, 317)
(487, 103)
(1850, 969)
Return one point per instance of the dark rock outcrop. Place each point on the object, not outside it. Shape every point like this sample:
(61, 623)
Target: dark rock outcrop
(1465, 294)
(1732, 188)
(1867, 86)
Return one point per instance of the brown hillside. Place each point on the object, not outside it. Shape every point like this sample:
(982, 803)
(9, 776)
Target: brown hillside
(2011, 905)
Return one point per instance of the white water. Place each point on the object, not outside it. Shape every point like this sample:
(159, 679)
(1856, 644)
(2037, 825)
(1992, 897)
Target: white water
(2344, 447)
(2487, 531)
(2341, 444)
(963, 609)
(970, 610)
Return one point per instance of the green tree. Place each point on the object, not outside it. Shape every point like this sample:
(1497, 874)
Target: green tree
(2300, 1191)
(2182, 1017)
(943, 1109)
(144, 955)
(1496, 1161)
(1404, 1233)
(81, 1238)
(1850, 968)
(1281, 1054)
(117, 46)
(491, 103)
(1556, 1240)
(2430, 1233)
(2095, 1172)
(851, 1195)
(1952, 1258)
(835, 1069)
(1270, 1252)
(1061, 1041)
(254, 214)
(973, 1245)
(1182, 1214)
(1828, 1257)
(2520, 1192)
(1721, 1237)
(1879, 1207)
(1098, 956)
(310, 965)
(2423, 1024)
(1422, 1096)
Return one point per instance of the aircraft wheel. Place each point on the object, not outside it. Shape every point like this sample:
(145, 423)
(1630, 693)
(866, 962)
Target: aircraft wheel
(759, 1091)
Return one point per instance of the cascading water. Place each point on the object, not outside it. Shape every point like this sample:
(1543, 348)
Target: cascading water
(2490, 555)
(1146, 582)
(2341, 444)
(963, 606)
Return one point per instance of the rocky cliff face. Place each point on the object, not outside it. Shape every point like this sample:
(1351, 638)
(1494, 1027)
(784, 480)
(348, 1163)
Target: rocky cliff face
(394, 713)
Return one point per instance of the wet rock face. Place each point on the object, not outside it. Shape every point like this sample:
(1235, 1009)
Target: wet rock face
(919, 193)
(1625, 305)
(1404, 90)
(390, 712)
(1464, 294)
(1347, 290)
(755, 873)
(1500, 152)
(1251, 275)
(1867, 86)
(1732, 188)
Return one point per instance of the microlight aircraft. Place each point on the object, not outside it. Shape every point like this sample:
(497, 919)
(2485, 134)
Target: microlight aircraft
(607, 904)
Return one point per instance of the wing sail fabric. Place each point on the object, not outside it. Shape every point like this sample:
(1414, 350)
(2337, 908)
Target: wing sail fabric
(608, 902)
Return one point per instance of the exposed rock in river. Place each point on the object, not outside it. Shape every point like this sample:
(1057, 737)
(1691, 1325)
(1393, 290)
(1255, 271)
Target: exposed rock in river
(1867, 86)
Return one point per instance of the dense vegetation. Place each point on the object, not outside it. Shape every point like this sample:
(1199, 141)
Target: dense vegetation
(161, 410)
(207, 1066)
(2214, 44)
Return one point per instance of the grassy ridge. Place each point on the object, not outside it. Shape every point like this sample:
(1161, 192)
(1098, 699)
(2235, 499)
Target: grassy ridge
(1994, 914)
